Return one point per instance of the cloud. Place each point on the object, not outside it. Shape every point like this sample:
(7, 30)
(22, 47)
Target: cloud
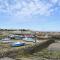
(28, 7)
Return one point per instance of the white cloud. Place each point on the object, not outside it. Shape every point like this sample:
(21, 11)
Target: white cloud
(27, 7)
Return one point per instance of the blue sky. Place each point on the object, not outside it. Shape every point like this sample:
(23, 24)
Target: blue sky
(40, 15)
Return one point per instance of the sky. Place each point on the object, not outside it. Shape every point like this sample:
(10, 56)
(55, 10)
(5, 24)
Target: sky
(39, 15)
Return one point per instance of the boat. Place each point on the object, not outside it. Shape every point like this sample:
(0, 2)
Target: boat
(16, 44)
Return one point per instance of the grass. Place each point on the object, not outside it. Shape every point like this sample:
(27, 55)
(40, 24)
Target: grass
(18, 52)
(48, 54)
(43, 55)
(2, 36)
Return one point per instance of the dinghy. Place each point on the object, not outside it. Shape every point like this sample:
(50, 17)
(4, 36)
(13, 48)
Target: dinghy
(17, 44)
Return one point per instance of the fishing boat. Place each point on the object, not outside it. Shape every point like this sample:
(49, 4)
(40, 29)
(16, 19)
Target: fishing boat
(15, 44)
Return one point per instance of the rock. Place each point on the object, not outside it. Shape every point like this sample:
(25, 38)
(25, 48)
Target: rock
(54, 47)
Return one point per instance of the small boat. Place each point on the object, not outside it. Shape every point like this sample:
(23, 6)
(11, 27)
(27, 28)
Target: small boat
(16, 44)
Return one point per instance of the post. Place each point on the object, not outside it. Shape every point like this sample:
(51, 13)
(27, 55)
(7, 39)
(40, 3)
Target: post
(35, 37)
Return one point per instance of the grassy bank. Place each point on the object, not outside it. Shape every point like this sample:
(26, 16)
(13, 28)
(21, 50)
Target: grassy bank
(24, 51)
(44, 54)
(48, 54)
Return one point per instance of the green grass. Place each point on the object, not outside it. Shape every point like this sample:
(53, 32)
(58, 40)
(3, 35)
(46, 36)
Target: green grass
(2, 36)
(43, 54)
(20, 52)
(48, 54)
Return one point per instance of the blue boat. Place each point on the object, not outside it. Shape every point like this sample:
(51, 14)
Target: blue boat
(16, 44)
